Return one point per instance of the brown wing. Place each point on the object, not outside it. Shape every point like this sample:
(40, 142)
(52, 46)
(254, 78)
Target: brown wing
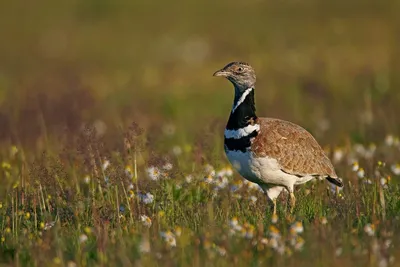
(293, 147)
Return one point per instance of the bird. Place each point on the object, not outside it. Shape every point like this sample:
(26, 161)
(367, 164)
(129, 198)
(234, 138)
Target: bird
(273, 153)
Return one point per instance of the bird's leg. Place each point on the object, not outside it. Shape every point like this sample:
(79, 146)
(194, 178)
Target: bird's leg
(292, 198)
(274, 206)
(272, 194)
(292, 202)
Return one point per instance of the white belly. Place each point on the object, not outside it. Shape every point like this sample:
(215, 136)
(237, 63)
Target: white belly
(262, 170)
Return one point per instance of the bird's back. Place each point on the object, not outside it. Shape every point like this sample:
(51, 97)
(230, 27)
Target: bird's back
(295, 149)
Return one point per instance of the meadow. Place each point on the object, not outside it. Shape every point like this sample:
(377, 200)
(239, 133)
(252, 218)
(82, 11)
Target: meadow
(111, 132)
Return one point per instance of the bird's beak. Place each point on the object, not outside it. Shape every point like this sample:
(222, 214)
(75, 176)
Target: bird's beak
(221, 73)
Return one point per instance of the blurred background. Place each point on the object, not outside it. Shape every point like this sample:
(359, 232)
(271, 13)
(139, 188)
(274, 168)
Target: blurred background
(331, 66)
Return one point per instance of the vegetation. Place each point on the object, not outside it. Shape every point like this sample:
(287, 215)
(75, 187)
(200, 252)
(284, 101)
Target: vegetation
(111, 132)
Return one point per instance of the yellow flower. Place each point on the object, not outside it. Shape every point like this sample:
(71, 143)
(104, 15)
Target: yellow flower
(5, 165)
(273, 229)
(3, 239)
(161, 213)
(128, 169)
(187, 148)
(296, 228)
(355, 166)
(178, 231)
(87, 230)
(57, 260)
(8, 230)
(13, 151)
(1, 205)
(27, 215)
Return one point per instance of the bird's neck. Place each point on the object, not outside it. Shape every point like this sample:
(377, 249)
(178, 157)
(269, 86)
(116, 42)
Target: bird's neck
(243, 110)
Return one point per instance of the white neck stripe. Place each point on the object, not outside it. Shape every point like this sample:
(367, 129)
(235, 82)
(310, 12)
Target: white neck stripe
(242, 132)
(242, 98)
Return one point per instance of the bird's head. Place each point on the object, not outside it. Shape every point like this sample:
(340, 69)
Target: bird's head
(241, 74)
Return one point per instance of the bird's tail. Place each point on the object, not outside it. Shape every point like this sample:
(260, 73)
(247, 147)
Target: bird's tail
(336, 181)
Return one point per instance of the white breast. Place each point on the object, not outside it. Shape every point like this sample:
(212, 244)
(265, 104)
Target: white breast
(262, 170)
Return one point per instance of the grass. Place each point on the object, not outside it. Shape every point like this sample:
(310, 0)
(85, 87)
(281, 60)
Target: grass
(84, 186)
(86, 207)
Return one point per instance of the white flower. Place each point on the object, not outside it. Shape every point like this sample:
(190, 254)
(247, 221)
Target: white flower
(229, 171)
(335, 189)
(189, 178)
(225, 172)
(169, 237)
(338, 251)
(387, 243)
(355, 166)
(209, 170)
(86, 179)
(252, 186)
(154, 173)
(389, 140)
(274, 232)
(369, 229)
(144, 245)
(177, 150)
(168, 166)
(297, 242)
(221, 182)
(146, 198)
(49, 225)
(145, 220)
(360, 149)
(128, 171)
(221, 251)
(338, 155)
(105, 165)
(253, 199)
(297, 228)
(360, 173)
(273, 243)
(247, 231)
(395, 168)
(383, 262)
(368, 181)
(371, 151)
(234, 224)
(83, 238)
(209, 179)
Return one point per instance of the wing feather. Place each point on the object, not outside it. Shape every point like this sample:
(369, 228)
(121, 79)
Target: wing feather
(295, 149)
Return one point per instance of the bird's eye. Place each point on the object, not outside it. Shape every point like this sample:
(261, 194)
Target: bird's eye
(240, 69)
